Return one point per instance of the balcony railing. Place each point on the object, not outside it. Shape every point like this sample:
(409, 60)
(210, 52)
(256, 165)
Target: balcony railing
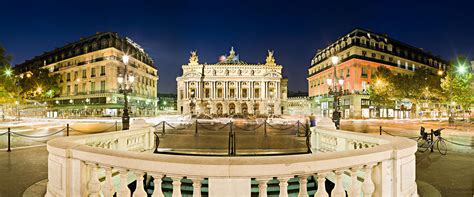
(356, 163)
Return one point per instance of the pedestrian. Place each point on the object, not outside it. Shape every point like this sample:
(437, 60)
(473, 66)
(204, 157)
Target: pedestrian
(312, 120)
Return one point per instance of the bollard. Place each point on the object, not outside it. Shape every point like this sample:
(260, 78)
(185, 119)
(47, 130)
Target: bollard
(9, 139)
(163, 129)
(298, 128)
(229, 144)
(234, 144)
(196, 128)
(380, 130)
(67, 129)
(432, 140)
(157, 143)
(265, 127)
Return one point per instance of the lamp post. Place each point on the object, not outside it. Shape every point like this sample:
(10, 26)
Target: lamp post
(125, 80)
(336, 92)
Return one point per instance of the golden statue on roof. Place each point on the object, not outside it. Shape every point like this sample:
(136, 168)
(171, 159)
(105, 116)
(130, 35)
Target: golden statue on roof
(270, 59)
(193, 59)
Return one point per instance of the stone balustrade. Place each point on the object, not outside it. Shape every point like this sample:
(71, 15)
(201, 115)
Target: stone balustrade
(105, 164)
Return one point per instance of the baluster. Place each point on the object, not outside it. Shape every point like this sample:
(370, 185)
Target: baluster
(108, 185)
(283, 186)
(368, 186)
(176, 186)
(123, 191)
(196, 186)
(303, 186)
(157, 185)
(139, 189)
(338, 190)
(354, 188)
(94, 184)
(321, 192)
(262, 187)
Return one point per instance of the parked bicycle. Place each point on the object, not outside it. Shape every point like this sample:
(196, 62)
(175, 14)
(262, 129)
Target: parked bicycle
(426, 141)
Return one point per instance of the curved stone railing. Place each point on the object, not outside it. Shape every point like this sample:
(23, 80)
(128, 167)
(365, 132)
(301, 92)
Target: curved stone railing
(106, 163)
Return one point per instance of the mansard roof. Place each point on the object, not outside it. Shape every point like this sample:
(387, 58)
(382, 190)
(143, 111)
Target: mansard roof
(98, 41)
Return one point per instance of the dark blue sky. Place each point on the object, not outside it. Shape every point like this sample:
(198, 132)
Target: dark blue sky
(168, 30)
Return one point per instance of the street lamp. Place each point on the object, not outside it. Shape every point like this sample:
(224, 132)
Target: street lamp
(336, 92)
(125, 80)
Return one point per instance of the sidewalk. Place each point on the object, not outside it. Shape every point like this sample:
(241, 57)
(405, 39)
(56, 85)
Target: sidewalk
(21, 168)
(451, 175)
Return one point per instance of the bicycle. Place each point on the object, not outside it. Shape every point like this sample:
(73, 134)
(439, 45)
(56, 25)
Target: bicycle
(426, 141)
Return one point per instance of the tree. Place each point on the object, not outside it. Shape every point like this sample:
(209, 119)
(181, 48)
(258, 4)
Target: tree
(382, 88)
(37, 85)
(422, 86)
(5, 96)
(457, 84)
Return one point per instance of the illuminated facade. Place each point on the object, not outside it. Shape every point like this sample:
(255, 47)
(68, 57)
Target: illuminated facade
(89, 69)
(360, 52)
(231, 87)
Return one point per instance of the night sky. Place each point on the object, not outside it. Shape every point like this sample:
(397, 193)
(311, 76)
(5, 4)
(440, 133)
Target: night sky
(168, 30)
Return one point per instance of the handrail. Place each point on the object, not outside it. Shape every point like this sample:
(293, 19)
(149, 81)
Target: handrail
(388, 149)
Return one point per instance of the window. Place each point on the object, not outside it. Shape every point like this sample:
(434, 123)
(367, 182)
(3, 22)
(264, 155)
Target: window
(76, 88)
(364, 53)
(382, 57)
(102, 86)
(219, 93)
(374, 55)
(244, 93)
(232, 93)
(207, 93)
(398, 63)
(92, 86)
(68, 77)
(84, 73)
(364, 71)
(348, 73)
(92, 72)
(76, 74)
(83, 87)
(257, 93)
(102, 70)
(365, 102)
(68, 90)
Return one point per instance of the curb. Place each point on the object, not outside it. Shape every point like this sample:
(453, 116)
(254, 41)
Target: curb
(37, 189)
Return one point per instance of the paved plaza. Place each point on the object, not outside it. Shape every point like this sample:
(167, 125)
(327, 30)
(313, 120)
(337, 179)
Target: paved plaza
(450, 175)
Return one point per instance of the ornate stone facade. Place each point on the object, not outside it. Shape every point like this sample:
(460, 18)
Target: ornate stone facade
(231, 87)
(88, 71)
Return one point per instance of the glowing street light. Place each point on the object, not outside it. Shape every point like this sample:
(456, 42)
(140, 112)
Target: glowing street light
(341, 82)
(8, 72)
(440, 72)
(334, 60)
(461, 69)
(329, 81)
